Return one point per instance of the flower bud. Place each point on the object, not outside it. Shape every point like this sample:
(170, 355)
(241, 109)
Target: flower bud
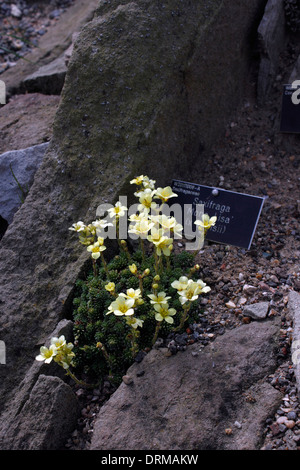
(133, 268)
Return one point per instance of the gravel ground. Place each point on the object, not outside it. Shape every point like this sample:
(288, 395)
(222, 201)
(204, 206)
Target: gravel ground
(254, 158)
(22, 24)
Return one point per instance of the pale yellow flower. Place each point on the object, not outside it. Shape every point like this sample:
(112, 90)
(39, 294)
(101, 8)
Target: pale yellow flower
(165, 193)
(47, 354)
(100, 225)
(58, 342)
(78, 226)
(136, 217)
(177, 229)
(121, 306)
(167, 222)
(192, 291)
(148, 183)
(59, 351)
(132, 268)
(138, 180)
(163, 244)
(146, 200)
(203, 286)
(134, 322)
(65, 355)
(141, 228)
(163, 312)
(110, 287)
(160, 298)
(117, 211)
(96, 248)
(181, 283)
(134, 294)
(206, 222)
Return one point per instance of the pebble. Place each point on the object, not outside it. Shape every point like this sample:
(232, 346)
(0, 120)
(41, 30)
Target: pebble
(249, 289)
(230, 304)
(127, 379)
(15, 11)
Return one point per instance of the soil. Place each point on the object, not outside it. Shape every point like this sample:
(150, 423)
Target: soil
(252, 157)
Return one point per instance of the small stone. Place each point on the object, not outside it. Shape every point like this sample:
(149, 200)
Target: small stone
(242, 301)
(282, 420)
(257, 311)
(275, 429)
(15, 11)
(246, 320)
(249, 289)
(230, 304)
(292, 415)
(237, 425)
(289, 423)
(127, 379)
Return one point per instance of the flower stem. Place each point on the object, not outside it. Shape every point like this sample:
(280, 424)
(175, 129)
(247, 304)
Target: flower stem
(141, 284)
(184, 317)
(80, 382)
(104, 263)
(156, 332)
(95, 267)
(142, 248)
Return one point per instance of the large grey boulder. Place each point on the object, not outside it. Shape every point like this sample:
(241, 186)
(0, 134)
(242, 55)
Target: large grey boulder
(17, 170)
(48, 79)
(46, 419)
(149, 86)
(213, 399)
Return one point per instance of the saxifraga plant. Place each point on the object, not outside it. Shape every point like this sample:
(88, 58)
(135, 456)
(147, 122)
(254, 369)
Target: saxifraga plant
(125, 304)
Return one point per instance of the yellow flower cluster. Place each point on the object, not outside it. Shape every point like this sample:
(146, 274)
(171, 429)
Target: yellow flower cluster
(59, 350)
(189, 290)
(125, 304)
(161, 307)
(149, 223)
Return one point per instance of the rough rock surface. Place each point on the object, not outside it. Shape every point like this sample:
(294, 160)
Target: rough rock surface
(27, 120)
(48, 79)
(46, 419)
(257, 311)
(271, 35)
(211, 399)
(141, 100)
(17, 170)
